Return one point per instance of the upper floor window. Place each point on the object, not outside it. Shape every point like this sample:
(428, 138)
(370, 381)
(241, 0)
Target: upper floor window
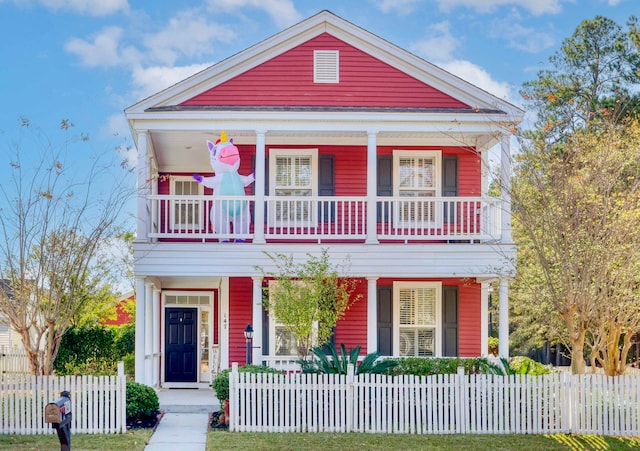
(417, 175)
(186, 214)
(326, 66)
(295, 175)
(417, 321)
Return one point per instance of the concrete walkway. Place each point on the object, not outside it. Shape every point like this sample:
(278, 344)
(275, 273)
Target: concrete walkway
(184, 425)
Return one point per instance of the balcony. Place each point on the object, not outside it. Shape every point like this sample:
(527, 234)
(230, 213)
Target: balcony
(324, 219)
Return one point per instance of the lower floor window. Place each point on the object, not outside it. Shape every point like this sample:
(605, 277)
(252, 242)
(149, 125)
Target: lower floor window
(417, 318)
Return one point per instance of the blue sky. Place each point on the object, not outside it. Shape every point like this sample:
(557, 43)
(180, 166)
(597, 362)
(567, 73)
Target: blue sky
(87, 60)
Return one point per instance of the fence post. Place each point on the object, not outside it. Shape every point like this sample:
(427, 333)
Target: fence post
(121, 388)
(233, 397)
(350, 396)
(461, 401)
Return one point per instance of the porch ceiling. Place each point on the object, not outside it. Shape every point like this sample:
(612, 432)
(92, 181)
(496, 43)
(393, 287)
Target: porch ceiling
(185, 150)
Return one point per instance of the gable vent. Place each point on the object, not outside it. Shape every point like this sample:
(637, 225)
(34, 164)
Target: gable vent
(326, 66)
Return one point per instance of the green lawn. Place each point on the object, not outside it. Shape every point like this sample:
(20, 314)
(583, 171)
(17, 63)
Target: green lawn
(131, 441)
(321, 441)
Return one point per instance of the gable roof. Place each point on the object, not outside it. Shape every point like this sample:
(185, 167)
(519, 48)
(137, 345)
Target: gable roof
(428, 77)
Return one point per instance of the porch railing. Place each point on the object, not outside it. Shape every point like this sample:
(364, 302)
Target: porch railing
(324, 218)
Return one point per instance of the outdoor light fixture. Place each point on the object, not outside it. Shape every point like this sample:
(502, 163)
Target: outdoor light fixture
(248, 332)
(248, 336)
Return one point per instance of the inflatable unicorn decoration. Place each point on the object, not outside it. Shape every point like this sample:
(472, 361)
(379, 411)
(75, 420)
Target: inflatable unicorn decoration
(225, 161)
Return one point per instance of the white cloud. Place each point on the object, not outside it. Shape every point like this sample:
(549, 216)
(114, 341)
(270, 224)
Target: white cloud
(150, 80)
(477, 76)
(282, 12)
(536, 7)
(103, 50)
(187, 33)
(401, 7)
(527, 39)
(439, 45)
(88, 7)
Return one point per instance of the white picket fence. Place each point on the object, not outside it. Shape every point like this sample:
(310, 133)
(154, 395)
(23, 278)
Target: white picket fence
(13, 361)
(442, 404)
(98, 403)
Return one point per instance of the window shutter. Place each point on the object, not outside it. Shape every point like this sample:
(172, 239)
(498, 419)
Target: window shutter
(326, 186)
(450, 321)
(385, 320)
(449, 184)
(265, 330)
(384, 184)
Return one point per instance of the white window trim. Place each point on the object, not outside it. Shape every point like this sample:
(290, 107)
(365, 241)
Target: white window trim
(273, 156)
(437, 181)
(179, 226)
(437, 335)
(273, 322)
(326, 66)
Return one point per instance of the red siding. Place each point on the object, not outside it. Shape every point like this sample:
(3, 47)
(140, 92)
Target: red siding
(240, 314)
(287, 79)
(469, 319)
(352, 328)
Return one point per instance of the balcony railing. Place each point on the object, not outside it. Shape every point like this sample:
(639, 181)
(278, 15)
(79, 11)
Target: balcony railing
(323, 218)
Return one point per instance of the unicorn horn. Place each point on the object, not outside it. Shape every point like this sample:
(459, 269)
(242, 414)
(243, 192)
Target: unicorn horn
(223, 136)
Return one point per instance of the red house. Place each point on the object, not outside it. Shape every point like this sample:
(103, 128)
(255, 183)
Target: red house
(358, 147)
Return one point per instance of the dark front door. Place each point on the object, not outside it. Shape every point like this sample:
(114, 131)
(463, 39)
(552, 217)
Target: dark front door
(181, 348)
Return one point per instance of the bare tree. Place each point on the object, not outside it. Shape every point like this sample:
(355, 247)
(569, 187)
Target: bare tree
(55, 217)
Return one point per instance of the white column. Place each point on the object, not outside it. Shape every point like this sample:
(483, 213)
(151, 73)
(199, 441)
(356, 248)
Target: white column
(505, 177)
(156, 337)
(148, 337)
(372, 188)
(223, 299)
(503, 328)
(140, 329)
(484, 318)
(260, 174)
(257, 320)
(143, 187)
(372, 315)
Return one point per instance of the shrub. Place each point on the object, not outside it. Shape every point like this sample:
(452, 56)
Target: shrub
(427, 366)
(105, 345)
(91, 368)
(339, 363)
(524, 365)
(142, 401)
(130, 365)
(221, 382)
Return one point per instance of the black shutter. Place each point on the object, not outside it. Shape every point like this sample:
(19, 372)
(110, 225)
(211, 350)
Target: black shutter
(450, 321)
(385, 320)
(265, 330)
(384, 185)
(326, 186)
(449, 184)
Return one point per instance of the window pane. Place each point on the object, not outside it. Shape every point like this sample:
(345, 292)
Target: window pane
(285, 342)
(417, 306)
(416, 172)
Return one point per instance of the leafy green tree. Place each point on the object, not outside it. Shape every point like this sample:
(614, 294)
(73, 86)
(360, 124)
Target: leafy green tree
(308, 298)
(592, 75)
(56, 221)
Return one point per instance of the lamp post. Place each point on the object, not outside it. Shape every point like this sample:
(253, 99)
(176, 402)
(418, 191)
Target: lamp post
(248, 336)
